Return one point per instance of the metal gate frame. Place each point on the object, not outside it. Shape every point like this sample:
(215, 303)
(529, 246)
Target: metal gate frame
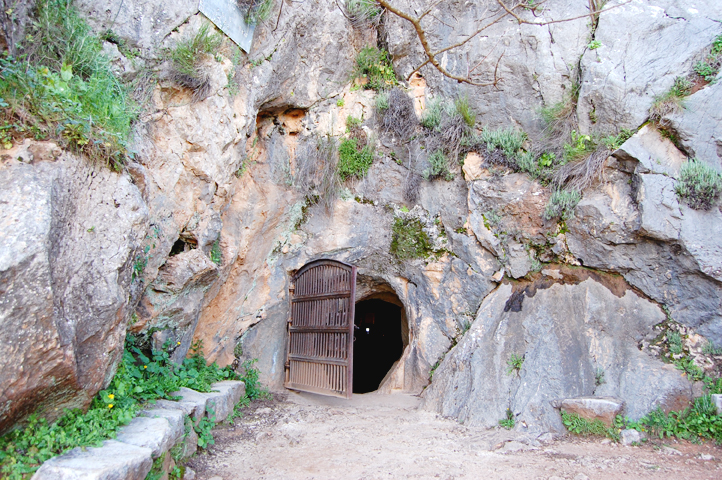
(318, 357)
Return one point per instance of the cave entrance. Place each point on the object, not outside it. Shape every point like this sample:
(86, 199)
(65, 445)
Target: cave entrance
(378, 343)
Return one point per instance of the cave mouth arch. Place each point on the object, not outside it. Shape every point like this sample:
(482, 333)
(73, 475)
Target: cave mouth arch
(380, 336)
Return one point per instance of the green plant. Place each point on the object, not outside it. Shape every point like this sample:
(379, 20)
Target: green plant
(340, 102)
(581, 426)
(674, 339)
(352, 161)
(408, 239)
(687, 365)
(204, 429)
(710, 349)
(156, 470)
(141, 261)
(699, 185)
(187, 59)
(255, 11)
(599, 377)
(375, 65)
(463, 109)
(492, 219)
(670, 101)
(254, 390)
(705, 70)
(362, 12)
(562, 204)
(139, 379)
(614, 142)
(61, 87)
(439, 167)
(509, 140)
(432, 114)
(514, 363)
(216, 252)
(594, 44)
(382, 101)
(508, 422)
(581, 146)
(352, 123)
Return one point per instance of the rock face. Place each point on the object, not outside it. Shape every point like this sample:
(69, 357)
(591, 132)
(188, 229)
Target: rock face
(70, 231)
(566, 334)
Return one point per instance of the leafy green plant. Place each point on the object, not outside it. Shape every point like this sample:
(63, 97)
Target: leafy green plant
(674, 339)
(382, 101)
(514, 364)
(510, 141)
(599, 377)
(375, 65)
(432, 114)
(710, 349)
(216, 252)
(408, 239)
(187, 60)
(580, 147)
(439, 167)
(138, 379)
(509, 421)
(594, 44)
(340, 102)
(699, 185)
(492, 219)
(706, 71)
(204, 429)
(581, 426)
(614, 142)
(562, 204)
(61, 87)
(352, 161)
(687, 365)
(254, 390)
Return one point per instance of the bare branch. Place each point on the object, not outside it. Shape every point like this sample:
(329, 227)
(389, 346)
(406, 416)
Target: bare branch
(520, 20)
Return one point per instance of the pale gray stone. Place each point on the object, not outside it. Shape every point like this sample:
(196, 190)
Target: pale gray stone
(592, 408)
(192, 402)
(153, 433)
(659, 210)
(113, 461)
(175, 417)
(717, 399)
(630, 436)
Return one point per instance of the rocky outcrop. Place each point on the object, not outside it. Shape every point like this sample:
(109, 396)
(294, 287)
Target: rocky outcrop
(568, 335)
(70, 233)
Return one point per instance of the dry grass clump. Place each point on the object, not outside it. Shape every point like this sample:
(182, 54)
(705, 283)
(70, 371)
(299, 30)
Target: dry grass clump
(579, 174)
(412, 186)
(362, 13)
(316, 171)
(395, 111)
(188, 58)
(255, 11)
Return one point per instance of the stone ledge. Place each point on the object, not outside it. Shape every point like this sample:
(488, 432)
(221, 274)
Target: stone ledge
(158, 429)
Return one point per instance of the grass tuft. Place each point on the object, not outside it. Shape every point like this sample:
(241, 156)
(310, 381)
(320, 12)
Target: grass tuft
(562, 204)
(362, 13)
(255, 11)
(188, 58)
(438, 168)
(375, 66)
(409, 239)
(352, 160)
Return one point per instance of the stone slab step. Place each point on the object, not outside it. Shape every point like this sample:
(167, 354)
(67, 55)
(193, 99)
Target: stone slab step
(592, 408)
(153, 433)
(225, 397)
(175, 417)
(113, 461)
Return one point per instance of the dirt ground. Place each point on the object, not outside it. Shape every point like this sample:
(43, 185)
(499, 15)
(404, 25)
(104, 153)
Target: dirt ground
(305, 436)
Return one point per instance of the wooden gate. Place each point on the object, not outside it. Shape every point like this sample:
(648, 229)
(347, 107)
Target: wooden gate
(320, 329)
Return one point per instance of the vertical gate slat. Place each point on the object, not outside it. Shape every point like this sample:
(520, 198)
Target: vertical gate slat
(322, 348)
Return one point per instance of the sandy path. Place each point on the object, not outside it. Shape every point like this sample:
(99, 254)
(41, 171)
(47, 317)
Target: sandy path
(385, 437)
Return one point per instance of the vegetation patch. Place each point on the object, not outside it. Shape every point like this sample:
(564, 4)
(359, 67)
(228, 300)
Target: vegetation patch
(395, 112)
(514, 364)
(255, 11)
(508, 422)
(362, 13)
(670, 101)
(61, 87)
(139, 379)
(699, 185)
(316, 176)
(581, 426)
(439, 167)
(352, 160)
(409, 239)
(708, 68)
(188, 58)
(375, 66)
(562, 204)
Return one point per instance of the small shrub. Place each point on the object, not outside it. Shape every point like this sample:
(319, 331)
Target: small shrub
(375, 65)
(671, 101)
(510, 141)
(706, 71)
(581, 146)
(614, 142)
(699, 185)
(562, 204)
(352, 123)
(204, 429)
(340, 102)
(395, 110)
(439, 167)
(362, 13)
(352, 161)
(599, 377)
(409, 239)
(187, 61)
(514, 363)
(432, 115)
(255, 11)
(594, 44)
(508, 422)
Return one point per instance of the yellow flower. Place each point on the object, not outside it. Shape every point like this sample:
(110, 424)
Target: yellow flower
(145, 366)
(110, 405)
(111, 396)
(178, 343)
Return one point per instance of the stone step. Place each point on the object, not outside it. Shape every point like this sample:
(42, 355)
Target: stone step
(113, 461)
(153, 433)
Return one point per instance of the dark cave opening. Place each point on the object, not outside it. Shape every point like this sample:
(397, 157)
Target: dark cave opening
(377, 344)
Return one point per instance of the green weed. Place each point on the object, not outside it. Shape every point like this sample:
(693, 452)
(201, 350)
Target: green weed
(204, 429)
(439, 167)
(463, 109)
(362, 12)
(433, 113)
(254, 389)
(408, 239)
(352, 123)
(581, 146)
(375, 65)
(382, 101)
(670, 101)
(581, 426)
(508, 422)
(510, 141)
(61, 87)
(599, 377)
(340, 102)
(594, 44)
(699, 185)
(614, 142)
(216, 252)
(187, 59)
(562, 204)
(352, 161)
(514, 364)
(256, 11)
